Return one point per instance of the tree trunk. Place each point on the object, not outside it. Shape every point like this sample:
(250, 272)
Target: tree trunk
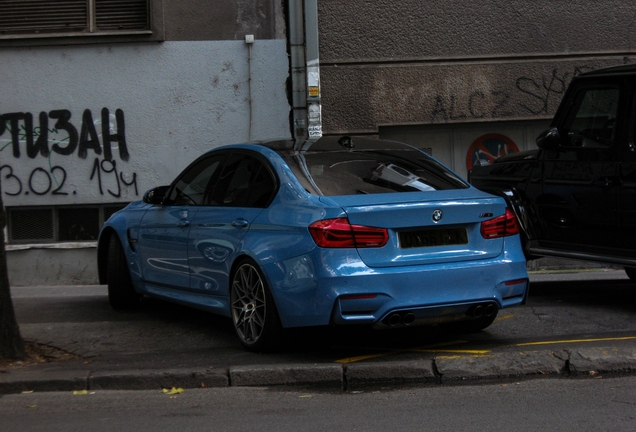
(11, 343)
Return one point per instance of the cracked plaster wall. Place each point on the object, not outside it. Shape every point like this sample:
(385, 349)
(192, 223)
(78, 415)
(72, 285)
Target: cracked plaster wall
(437, 62)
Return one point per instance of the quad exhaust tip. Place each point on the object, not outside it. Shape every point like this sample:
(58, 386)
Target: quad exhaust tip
(406, 318)
(397, 318)
(483, 310)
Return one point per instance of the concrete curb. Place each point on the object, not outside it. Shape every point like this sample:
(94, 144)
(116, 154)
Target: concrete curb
(440, 370)
(318, 374)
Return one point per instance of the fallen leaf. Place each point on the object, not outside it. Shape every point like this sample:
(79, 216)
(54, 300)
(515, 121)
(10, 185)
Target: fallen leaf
(31, 406)
(592, 372)
(27, 391)
(173, 391)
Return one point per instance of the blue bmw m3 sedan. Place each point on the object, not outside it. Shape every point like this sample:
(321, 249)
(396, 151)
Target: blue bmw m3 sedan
(342, 230)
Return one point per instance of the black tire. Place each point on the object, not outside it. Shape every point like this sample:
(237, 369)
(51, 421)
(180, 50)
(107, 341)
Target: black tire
(121, 292)
(254, 315)
(631, 273)
(472, 326)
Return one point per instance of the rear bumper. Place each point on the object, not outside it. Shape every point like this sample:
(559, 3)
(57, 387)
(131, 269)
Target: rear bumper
(336, 287)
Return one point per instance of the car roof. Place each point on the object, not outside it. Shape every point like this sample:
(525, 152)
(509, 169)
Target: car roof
(612, 70)
(332, 143)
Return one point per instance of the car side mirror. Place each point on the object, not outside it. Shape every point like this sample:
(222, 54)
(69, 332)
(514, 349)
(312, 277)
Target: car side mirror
(156, 195)
(549, 139)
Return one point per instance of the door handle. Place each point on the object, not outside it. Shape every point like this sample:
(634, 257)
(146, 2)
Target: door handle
(606, 181)
(239, 223)
(183, 223)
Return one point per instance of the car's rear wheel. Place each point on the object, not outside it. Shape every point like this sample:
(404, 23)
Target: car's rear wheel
(121, 292)
(254, 313)
(631, 272)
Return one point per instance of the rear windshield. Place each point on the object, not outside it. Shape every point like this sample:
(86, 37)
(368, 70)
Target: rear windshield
(370, 171)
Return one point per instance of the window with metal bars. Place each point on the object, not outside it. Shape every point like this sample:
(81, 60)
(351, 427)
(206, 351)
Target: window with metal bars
(46, 18)
(57, 224)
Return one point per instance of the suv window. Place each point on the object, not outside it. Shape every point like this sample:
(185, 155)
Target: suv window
(591, 122)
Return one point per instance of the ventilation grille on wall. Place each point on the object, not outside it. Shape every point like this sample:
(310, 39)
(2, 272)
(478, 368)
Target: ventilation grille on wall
(31, 224)
(52, 224)
(72, 16)
(121, 14)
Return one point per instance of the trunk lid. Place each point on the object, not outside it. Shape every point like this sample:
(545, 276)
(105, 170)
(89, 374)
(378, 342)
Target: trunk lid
(426, 228)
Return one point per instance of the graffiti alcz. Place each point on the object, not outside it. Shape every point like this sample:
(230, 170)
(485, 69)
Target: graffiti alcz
(104, 138)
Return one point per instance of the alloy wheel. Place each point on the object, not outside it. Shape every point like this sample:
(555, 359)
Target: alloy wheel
(248, 303)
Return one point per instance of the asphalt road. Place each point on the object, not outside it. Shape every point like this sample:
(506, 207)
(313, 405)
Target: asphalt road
(592, 404)
(564, 310)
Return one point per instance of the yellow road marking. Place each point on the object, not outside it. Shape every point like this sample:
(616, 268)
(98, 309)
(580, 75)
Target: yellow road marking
(364, 357)
(577, 341)
(431, 348)
(370, 356)
(501, 318)
(452, 351)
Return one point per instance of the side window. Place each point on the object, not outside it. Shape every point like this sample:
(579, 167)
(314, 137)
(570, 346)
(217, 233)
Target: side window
(245, 182)
(196, 182)
(591, 121)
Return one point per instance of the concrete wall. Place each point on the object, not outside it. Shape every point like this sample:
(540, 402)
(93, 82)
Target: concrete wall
(437, 62)
(101, 119)
(171, 101)
(363, 30)
(54, 264)
(223, 19)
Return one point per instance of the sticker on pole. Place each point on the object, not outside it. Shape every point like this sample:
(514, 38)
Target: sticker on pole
(485, 149)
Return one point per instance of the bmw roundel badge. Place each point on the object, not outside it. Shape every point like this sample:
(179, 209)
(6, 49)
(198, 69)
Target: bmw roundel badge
(437, 215)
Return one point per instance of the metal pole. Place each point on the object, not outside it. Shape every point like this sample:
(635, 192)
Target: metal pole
(314, 107)
(298, 68)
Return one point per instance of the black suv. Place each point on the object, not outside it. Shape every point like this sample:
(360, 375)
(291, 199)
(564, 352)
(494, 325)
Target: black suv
(575, 196)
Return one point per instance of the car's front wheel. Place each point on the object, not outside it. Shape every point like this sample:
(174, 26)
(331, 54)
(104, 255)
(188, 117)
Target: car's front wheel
(121, 292)
(254, 313)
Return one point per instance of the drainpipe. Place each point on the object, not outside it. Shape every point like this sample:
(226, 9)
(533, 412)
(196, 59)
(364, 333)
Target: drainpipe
(305, 68)
(249, 40)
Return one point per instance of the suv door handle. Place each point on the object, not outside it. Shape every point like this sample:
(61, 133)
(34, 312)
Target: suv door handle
(606, 181)
(183, 223)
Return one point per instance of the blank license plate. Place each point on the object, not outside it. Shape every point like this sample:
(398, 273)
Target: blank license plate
(433, 237)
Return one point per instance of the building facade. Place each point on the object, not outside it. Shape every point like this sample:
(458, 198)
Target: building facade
(463, 80)
(103, 99)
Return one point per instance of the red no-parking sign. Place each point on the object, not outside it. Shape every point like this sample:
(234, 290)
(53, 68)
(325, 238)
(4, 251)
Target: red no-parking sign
(489, 147)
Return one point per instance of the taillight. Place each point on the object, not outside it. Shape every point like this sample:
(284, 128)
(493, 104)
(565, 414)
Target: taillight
(502, 226)
(339, 233)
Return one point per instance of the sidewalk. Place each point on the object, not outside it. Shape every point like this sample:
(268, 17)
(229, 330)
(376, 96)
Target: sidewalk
(163, 348)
